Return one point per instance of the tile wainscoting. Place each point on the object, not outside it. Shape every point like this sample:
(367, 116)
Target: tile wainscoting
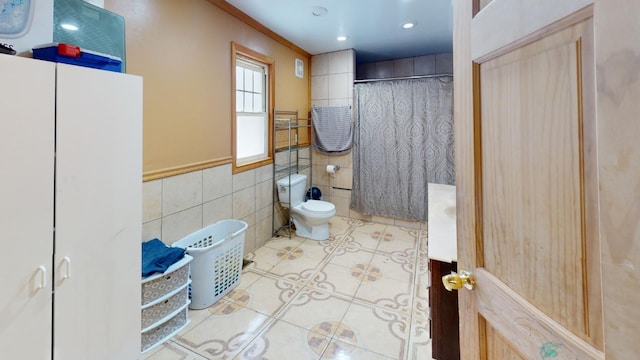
(176, 206)
(179, 205)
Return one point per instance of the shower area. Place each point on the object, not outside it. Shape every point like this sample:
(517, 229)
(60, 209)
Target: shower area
(402, 134)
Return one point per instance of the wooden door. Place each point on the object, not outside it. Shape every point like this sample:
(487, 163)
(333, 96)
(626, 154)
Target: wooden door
(26, 206)
(540, 178)
(98, 214)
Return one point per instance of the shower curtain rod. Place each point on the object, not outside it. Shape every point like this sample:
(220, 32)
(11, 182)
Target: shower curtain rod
(401, 78)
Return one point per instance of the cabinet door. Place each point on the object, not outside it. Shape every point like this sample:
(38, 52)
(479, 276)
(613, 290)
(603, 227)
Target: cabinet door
(26, 206)
(98, 214)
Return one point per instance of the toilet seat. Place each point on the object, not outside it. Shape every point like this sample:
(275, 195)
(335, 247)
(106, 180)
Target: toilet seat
(318, 206)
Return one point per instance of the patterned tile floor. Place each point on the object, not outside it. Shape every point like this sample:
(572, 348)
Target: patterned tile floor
(361, 294)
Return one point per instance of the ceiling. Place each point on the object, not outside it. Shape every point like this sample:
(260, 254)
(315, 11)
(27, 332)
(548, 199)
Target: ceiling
(372, 27)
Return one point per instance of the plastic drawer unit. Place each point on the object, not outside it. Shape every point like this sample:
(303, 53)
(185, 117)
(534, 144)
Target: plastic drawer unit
(165, 302)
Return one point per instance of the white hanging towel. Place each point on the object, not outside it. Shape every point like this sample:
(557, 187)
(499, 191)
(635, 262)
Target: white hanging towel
(332, 129)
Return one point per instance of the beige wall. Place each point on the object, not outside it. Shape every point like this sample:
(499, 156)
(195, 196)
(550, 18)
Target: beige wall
(183, 51)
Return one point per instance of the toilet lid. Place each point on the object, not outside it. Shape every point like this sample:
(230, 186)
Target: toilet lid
(318, 206)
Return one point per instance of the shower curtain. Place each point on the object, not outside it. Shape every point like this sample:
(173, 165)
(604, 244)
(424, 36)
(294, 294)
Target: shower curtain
(403, 139)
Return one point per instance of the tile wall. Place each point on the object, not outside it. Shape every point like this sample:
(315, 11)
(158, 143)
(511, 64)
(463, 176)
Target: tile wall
(332, 76)
(413, 66)
(176, 206)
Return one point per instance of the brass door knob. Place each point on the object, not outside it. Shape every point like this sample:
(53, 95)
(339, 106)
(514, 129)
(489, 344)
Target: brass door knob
(455, 281)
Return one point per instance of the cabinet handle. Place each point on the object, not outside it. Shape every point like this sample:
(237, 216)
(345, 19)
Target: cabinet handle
(67, 273)
(43, 279)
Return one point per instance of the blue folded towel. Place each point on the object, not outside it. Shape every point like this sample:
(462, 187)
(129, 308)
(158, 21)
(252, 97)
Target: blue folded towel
(157, 257)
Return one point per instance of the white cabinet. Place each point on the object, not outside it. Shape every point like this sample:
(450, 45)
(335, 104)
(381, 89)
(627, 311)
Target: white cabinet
(70, 158)
(27, 103)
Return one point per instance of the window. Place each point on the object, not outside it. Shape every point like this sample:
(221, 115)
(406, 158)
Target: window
(252, 134)
(251, 113)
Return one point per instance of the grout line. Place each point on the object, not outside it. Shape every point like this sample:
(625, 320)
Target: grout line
(266, 326)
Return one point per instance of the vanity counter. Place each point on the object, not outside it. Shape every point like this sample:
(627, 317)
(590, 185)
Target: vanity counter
(442, 223)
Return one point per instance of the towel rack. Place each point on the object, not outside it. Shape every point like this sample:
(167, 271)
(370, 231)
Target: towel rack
(292, 154)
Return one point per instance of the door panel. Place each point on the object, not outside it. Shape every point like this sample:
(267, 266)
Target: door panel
(98, 214)
(507, 25)
(528, 181)
(483, 3)
(465, 130)
(498, 347)
(26, 206)
(525, 328)
(533, 175)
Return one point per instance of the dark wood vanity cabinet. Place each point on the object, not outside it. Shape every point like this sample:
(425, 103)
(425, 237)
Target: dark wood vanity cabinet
(444, 313)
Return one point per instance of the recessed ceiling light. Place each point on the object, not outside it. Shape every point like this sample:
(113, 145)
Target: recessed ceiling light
(408, 25)
(319, 11)
(342, 38)
(69, 27)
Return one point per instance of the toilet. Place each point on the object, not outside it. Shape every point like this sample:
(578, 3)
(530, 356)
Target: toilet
(310, 217)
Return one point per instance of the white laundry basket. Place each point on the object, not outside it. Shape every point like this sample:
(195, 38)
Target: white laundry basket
(217, 252)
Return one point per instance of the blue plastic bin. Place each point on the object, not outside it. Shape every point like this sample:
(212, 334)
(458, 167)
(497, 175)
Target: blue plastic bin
(64, 53)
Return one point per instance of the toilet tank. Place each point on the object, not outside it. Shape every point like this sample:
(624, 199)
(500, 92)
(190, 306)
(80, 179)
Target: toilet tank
(293, 184)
